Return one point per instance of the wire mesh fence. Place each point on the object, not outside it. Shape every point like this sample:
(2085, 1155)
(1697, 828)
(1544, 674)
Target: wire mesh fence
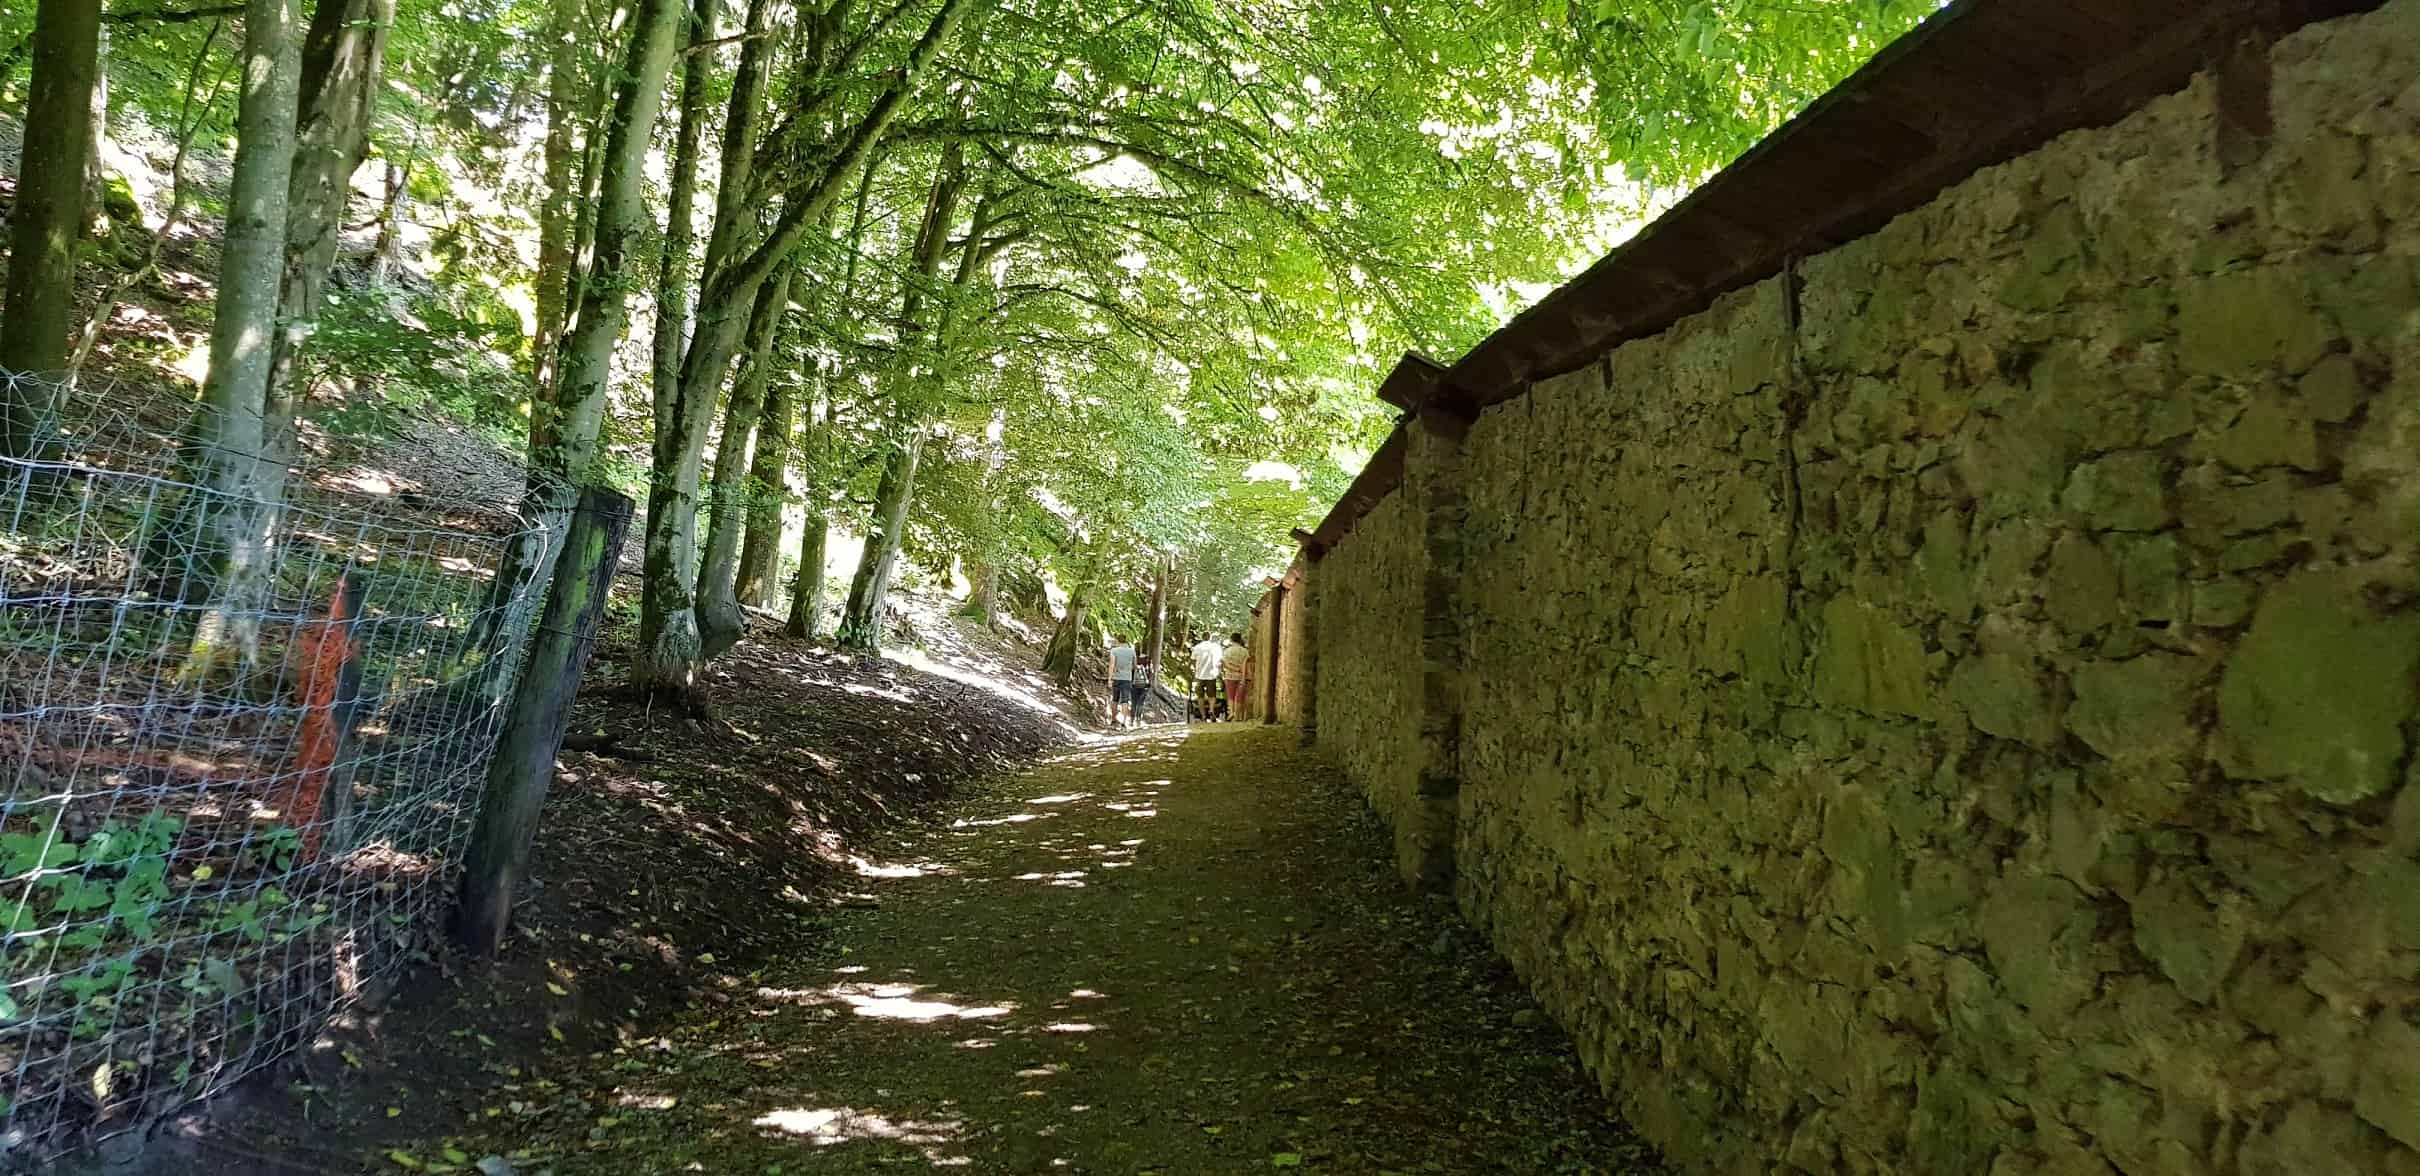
(243, 728)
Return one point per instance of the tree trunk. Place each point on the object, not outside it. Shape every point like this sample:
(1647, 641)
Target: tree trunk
(665, 661)
(565, 102)
(235, 516)
(96, 143)
(861, 617)
(720, 620)
(341, 59)
(730, 283)
(1067, 639)
(1154, 622)
(806, 593)
(47, 217)
(766, 492)
(673, 283)
(563, 461)
(387, 251)
(987, 591)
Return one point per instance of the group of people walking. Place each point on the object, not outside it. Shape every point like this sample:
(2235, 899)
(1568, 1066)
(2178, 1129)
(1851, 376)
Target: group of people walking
(1220, 671)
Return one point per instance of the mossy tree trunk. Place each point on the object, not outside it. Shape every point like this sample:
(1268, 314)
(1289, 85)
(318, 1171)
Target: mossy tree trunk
(766, 491)
(666, 658)
(231, 523)
(1066, 640)
(806, 592)
(672, 640)
(566, 101)
(48, 217)
(562, 455)
(869, 589)
(720, 620)
(342, 57)
(861, 617)
(739, 259)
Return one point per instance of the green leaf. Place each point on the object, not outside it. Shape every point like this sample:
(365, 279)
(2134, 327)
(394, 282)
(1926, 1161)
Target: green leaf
(1286, 1160)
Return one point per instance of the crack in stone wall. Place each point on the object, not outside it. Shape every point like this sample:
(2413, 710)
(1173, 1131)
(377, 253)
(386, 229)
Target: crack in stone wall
(1964, 721)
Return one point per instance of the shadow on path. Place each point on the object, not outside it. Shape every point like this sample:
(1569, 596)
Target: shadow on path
(1167, 953)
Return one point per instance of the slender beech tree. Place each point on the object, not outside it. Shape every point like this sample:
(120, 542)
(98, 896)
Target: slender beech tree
(343, 55)
(720, 619)
(861, 617)
(739, 261)
(566, 102)
(565, 460)
(806, 592)
(764, 527)
(48, 216)
(765, 491)
(1062, 656)
(229, 526)
(669, 643)
(922, 382)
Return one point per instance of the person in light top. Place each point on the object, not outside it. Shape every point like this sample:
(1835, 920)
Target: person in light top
(1125, 693)
(1206, 655)
(1234, 666)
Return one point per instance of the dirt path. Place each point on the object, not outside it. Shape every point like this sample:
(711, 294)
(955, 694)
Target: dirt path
(1166, 954)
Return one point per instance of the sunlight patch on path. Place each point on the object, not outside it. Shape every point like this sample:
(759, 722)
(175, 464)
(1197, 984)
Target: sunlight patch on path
(828, 1126)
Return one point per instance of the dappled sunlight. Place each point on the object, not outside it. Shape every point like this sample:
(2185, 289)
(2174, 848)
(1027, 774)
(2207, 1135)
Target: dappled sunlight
(902, 1007)
(1073, 879)
(1010, 819)
(827, 1126)
(866, 869)
(1026, 689)
(885, 1002)
(895, 694)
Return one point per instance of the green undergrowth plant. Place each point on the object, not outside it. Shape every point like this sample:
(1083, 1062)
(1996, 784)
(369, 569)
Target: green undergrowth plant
(93, 916)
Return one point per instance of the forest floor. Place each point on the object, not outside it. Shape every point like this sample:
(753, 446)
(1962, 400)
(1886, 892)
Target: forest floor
(675, 858)
(1174, 952)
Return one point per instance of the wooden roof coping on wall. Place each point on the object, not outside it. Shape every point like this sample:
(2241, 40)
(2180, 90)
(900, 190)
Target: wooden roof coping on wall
(1978, 83)
(1376, 480)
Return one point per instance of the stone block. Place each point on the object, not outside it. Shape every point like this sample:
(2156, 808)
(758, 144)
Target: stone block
(2121, 492)
(1871, 662)
(2037, 932)
(2244, 322)
(2317, 693)
(2140, 708)
(2271, 432)
(2193, 941)
(2004, 695)
(2081, 591)
(2389, 1094)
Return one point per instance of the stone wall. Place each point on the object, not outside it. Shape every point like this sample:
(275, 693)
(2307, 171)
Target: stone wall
(1293, 632)
(1953, 708)
(1259, 638)
(1368, 658)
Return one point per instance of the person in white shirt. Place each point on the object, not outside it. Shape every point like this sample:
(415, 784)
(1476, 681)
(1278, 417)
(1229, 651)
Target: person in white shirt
(1206, 655)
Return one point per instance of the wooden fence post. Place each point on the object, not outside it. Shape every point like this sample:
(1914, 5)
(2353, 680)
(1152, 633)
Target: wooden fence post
(524, 764)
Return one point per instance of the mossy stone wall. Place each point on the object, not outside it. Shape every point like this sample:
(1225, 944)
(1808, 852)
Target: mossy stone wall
(1955, 710)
